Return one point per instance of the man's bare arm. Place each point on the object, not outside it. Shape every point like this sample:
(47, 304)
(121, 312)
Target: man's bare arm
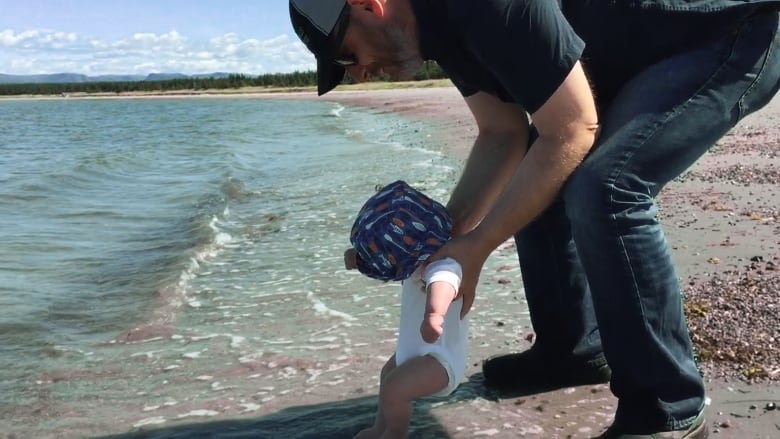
(498, 149)
(567, 125)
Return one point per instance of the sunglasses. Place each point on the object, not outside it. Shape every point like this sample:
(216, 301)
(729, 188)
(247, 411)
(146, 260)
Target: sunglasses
(343, 23)
(345, 62)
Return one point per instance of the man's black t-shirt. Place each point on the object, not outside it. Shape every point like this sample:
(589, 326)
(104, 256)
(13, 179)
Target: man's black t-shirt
(522, 50)
(518, 50)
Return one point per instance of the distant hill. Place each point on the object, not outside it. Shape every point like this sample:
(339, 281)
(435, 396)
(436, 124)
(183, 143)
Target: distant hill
(63, 78)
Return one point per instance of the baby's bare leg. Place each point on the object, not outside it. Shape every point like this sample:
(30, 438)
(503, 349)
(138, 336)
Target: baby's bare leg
(376, 430)
(416, 378)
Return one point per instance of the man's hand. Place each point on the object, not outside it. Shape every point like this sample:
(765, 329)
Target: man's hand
(432, 327)
(350, 259)
(466, 250)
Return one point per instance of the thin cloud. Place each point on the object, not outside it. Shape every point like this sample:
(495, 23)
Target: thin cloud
(41, 51)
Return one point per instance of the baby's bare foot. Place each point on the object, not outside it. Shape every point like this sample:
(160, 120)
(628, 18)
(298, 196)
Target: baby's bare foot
(369, 433)
(402, 434)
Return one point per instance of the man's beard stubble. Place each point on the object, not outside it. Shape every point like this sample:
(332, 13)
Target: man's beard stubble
(406, 61)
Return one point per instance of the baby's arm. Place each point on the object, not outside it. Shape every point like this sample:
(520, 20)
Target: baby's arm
(442, 282)
(440, 295)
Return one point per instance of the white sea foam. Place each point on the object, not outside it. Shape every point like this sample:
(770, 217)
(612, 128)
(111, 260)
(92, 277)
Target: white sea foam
(174, 295)
(335, 367)
(216, 385)
(250, 358)
(327, 330)
(288, 372)
(313, 375)
(320, 347)
(322, 309)
(236, 340)
(198, 413)
(278, 342)
(323, 339)
(149, 421)
(147, 354)
(336, 110)
(192, 355)
(249, 407)
(203, 337)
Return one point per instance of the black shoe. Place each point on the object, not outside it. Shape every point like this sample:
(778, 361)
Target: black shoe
(697, 430)
(532, 372)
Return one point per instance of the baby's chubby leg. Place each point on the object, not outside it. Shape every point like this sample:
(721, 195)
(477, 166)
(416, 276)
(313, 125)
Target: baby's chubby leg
(416, 378)
(399, 386)
(376, 430)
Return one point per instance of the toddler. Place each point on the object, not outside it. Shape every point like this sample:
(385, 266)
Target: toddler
(396, 230)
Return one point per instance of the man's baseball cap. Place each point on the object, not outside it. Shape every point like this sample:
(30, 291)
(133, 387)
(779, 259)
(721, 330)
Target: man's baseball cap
(314, 22)
(396, 230)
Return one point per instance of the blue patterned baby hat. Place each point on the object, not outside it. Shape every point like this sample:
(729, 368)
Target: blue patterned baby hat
(398, 228)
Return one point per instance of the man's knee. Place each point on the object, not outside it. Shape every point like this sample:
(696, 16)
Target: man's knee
(587, 193)
(594, 194)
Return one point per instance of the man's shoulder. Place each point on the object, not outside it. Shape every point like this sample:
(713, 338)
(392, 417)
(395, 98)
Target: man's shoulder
(677, 5)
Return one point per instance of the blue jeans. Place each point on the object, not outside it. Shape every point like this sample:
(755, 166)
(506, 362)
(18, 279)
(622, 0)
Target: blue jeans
(597, 269)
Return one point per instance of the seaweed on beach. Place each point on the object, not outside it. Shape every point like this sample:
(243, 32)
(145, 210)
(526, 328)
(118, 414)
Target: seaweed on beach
(734, 319)
(741, 174)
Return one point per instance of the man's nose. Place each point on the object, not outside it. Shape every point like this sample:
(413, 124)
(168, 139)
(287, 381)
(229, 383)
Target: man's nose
(358, 73)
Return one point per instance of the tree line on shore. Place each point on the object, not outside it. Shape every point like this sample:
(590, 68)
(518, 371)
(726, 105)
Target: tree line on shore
(430, 70)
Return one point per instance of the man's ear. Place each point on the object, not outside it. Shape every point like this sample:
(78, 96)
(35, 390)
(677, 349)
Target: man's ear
(375, 6)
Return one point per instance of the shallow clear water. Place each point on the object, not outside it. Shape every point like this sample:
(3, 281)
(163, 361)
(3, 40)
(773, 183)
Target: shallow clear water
(168, 260)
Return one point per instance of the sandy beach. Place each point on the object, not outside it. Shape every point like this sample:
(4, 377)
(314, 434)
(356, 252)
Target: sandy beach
(723, 223)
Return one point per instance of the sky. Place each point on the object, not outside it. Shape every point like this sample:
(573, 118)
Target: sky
(99, 37)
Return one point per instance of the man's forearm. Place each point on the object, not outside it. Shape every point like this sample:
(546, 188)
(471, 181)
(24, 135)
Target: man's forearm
(491, 164)
(534, 186)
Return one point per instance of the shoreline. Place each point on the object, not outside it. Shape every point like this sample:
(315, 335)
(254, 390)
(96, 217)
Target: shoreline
(242, 92)
(716, 223)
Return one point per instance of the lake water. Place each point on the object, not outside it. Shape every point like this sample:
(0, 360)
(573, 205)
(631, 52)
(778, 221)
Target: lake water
(165, 262)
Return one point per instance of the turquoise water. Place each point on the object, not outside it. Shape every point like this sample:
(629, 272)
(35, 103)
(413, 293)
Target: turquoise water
(168, 261)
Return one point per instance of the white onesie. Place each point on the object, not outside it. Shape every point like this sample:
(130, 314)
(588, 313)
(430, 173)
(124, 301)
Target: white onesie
(451, 349)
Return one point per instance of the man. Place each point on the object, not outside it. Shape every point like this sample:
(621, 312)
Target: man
(622, 97)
